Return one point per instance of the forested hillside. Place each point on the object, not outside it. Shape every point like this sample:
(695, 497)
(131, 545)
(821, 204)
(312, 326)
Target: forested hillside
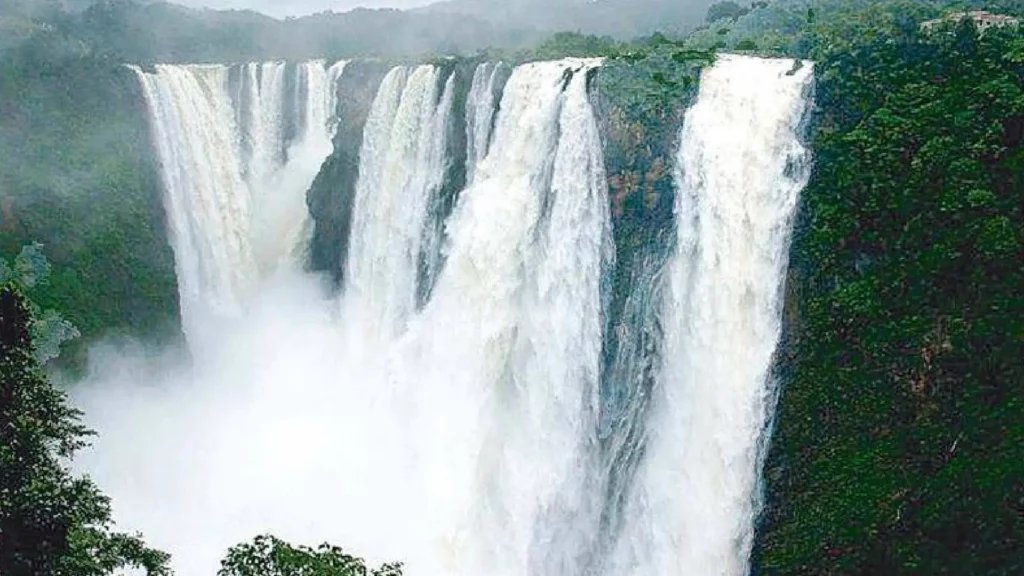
(78, 175)
(894, 451)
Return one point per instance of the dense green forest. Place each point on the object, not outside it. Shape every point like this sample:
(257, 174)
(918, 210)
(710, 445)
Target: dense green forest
(897, 439)
(895, 450)
(79, 177)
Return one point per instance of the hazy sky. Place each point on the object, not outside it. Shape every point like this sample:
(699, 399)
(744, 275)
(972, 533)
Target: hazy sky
(300, 7)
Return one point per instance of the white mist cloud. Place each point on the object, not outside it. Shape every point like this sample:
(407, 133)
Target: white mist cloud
(269, 427)
(281, 8)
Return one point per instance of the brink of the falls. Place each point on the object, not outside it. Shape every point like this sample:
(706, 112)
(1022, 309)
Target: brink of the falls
(446, 405)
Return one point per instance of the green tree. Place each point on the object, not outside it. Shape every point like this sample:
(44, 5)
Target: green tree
(746, 45)
(52, 523)
(269, 556)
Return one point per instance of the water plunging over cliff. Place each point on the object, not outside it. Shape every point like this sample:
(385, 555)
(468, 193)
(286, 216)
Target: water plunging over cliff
(451, 404)
(235, 183)
(740, 170)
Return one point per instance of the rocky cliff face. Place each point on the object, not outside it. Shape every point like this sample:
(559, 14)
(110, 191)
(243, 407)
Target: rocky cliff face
(331, 196)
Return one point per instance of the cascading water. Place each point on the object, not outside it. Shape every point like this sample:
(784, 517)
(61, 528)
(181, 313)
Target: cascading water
(480, 113)
(740, 170)
(457, 409)
(510, 342)
(264, 125)
(208, 206)
(401, 168)
(235, 186)
(290, 228)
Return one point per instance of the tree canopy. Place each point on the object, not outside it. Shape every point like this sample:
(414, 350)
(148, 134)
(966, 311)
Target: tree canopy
(905, 363)
(270, 556)
(52, 523)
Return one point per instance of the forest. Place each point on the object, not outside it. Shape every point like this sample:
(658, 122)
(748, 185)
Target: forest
(895, 445)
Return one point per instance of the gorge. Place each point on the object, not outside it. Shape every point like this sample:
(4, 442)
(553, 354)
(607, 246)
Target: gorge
(472, 395)
(741, 296)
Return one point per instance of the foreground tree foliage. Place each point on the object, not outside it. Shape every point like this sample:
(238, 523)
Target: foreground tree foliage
(898, 445)
(52, 523)
(269, 556)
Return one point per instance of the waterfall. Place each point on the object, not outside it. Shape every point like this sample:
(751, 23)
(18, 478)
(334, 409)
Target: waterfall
(480, 113)
(401, 167)
(206, 198)
(507, 351)
(317, 86)
(263, 130)
(475, 399)
(741, 167)
(234, 184)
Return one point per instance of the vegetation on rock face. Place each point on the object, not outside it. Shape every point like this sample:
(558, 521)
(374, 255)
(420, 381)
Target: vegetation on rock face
(895, 451)
(643, 93)
(79, 176)
(51, 522)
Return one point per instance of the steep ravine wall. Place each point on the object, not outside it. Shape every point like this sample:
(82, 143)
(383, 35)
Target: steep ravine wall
(331, 196)
(79, 175)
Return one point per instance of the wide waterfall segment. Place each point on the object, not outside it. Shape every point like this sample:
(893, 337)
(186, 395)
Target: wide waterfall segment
(401, 168)
(234, 184)
(740, 169)
(507, 350)
(559, 350)
(207, 202)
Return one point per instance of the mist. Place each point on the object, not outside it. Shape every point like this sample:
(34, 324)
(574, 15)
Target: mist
(300, 7)
(251, 433)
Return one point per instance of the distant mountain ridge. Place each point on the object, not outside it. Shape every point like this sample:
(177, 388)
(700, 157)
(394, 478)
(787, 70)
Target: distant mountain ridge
(157, 31)
(144, 32)
(620, 18)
